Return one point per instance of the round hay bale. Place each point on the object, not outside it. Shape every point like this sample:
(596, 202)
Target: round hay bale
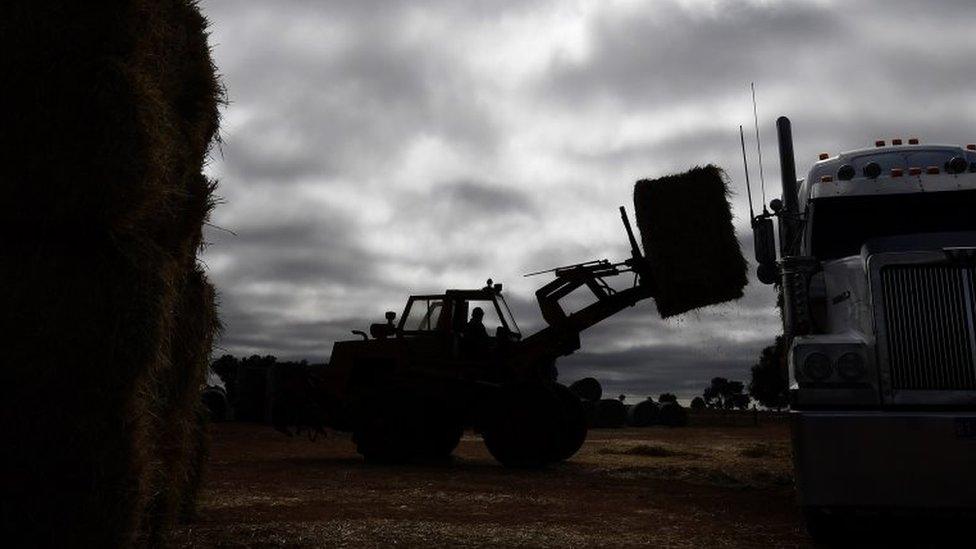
(673, 414)
(610, 413)
(215, 402)
(642, 414)
(587, 388)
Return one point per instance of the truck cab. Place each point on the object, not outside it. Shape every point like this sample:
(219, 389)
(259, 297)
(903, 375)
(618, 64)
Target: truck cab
(877, 274)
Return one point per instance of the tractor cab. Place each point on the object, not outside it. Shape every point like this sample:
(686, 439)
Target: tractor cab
(447, 315)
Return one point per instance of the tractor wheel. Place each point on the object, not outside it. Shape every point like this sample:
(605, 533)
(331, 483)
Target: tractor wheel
(381, 440)
(522, 425)
(438, 431)
(572, 424)
(386, 433)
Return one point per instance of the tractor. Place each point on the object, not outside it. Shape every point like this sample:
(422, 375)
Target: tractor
(409, 388)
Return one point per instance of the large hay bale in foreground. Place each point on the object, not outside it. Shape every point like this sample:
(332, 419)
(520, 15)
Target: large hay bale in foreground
(685, 223)
(111, 107)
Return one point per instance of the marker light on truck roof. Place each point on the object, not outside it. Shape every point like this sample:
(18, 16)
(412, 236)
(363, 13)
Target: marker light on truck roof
(913, 141)
(897, 172)
(932, 170)
(971, 147)
(879, 143)
(824, 156)
(826, 178)
(896, 141)
(914, 171)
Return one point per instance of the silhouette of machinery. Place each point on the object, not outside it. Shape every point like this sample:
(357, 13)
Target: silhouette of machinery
(409, 388)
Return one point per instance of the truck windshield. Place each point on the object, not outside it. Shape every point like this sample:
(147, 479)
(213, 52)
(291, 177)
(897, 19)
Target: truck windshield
(840, 225)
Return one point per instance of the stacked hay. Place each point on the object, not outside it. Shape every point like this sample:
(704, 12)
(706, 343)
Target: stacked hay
(686, 227)
(107, 324)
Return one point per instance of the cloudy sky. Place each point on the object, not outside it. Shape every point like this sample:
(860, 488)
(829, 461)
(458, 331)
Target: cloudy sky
(374, 149)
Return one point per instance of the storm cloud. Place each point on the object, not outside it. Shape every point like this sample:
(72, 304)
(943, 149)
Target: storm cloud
(376, 149)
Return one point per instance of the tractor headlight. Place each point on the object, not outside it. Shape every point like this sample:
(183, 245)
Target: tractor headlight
(851, 367)
(817, 366)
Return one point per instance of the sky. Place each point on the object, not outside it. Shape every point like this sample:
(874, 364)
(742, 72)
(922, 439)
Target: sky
(376, 149)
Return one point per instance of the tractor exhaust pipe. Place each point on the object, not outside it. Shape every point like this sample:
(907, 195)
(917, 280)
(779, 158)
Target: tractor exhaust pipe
(787, 162)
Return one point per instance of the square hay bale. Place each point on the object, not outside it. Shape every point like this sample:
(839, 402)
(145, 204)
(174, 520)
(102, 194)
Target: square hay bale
(176, 405)
(685, 222)
(107, 322)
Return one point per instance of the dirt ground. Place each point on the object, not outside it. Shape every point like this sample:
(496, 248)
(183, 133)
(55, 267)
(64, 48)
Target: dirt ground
(687, 487)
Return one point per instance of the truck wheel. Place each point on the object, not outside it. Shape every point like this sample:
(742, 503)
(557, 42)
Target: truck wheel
(522, 425)
(572, 423)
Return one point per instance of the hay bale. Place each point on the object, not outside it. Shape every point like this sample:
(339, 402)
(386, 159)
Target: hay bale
(587, 388)
(685, 223)
(642, 414)
(111, 109)
(673, 414)
(609, 413)
(215, 403)
(177, 406)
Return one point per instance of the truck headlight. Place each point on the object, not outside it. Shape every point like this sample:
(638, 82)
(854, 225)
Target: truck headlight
(850, 366)
(817, 366)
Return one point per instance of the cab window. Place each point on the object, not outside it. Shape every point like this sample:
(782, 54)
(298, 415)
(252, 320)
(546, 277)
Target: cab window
(491, 320)
(423, 315)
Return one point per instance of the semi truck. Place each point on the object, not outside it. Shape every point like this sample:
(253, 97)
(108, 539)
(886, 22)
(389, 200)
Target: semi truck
(876, 273)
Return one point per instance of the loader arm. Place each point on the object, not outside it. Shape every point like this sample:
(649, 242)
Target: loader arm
(561, 335)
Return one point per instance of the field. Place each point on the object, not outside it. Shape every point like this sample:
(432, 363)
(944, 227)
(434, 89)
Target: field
(689, 487)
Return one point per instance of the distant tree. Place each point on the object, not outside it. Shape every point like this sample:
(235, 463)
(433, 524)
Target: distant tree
(769, 383)
(622, 398)
(667, 397)
(698, 403)
(723, 394)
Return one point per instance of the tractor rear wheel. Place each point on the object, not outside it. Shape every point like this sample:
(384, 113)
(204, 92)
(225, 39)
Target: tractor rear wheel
(384, 438)
(522, 425)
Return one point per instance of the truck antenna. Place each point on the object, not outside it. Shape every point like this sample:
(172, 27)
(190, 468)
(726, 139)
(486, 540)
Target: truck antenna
(755, 116)
(745, 164)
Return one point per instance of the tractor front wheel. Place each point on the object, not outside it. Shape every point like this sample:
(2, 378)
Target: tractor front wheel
(522, 428)
(571, 431)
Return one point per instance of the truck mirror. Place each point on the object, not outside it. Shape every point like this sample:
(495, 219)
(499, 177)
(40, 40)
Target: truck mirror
(390, 316)
(776, 205)
(764, 239)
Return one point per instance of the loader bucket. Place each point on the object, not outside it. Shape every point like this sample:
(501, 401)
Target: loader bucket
(686, 228)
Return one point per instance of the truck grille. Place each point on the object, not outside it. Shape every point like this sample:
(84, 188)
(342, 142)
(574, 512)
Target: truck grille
(929, 312)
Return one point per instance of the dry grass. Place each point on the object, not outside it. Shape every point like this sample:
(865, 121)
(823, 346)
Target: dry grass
(646, 450)
(269, 490)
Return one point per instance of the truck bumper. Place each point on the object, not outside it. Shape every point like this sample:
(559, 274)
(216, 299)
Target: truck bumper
(885, 460)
